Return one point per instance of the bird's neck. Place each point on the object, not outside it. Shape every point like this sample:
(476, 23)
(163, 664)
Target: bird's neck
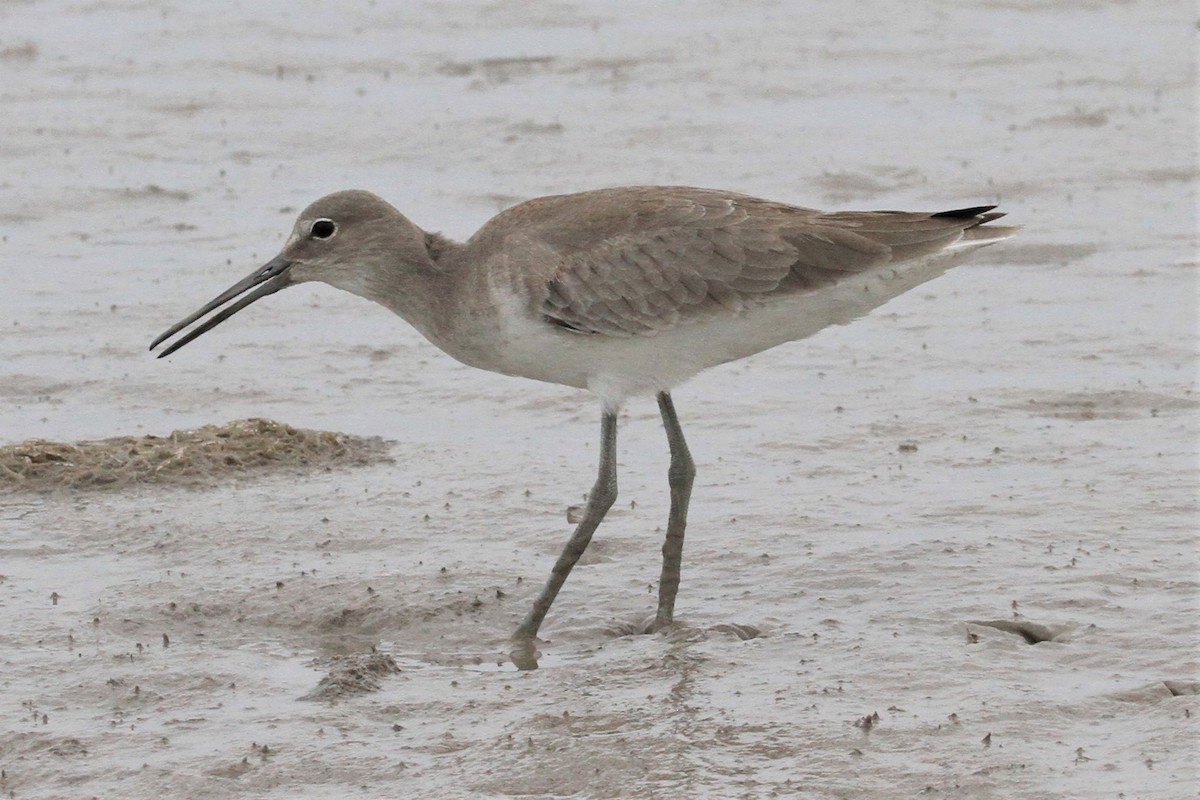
(419, 286)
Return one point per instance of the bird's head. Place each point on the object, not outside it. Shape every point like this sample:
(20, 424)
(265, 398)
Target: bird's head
(352, 240)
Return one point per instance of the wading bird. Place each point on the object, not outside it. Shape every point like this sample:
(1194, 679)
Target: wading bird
(623, 292)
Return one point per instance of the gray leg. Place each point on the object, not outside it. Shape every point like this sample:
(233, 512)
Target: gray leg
(600, 499)
(680, 476)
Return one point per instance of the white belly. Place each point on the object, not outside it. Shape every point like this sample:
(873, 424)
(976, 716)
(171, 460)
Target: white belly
(615, 368)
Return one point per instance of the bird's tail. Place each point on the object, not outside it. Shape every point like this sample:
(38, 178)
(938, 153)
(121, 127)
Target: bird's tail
(978, 233)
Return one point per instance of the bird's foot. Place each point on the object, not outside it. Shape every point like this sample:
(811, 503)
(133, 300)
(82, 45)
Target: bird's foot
(524, 651)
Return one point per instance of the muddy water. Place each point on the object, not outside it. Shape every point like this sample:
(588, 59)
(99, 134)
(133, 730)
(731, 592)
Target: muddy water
(971, 514)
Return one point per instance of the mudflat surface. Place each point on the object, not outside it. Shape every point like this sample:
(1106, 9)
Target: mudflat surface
(949, 550)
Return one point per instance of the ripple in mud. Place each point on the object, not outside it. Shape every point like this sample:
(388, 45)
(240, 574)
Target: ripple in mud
(739, 630)
(1031, 632)
(676, 631)
(1180, 688)
(207, 456)
(1113, 404)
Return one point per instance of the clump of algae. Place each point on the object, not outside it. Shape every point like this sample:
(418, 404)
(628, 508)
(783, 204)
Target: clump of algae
(206, 456)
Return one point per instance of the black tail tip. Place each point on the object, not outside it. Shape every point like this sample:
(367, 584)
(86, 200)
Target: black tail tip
(965, 213)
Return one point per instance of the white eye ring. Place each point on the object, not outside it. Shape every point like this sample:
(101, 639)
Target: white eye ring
(322, 229)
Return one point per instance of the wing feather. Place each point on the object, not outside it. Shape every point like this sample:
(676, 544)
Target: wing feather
(656, 260)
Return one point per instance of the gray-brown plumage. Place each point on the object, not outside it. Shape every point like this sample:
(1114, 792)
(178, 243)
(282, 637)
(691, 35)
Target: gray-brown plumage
(621, 291)
(664, 255)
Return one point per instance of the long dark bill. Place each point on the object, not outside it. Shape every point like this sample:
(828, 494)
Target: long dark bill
(270, 278)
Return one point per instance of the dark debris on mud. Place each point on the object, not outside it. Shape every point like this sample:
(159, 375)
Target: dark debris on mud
(357, 673)
(206, 456)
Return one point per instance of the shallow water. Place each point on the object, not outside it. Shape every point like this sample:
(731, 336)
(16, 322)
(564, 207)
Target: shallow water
(1014, 442)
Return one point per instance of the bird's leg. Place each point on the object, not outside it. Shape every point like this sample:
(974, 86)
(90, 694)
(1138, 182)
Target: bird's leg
(679, 476)
(599, 500)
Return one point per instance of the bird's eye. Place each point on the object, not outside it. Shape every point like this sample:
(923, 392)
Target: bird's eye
(323, 229)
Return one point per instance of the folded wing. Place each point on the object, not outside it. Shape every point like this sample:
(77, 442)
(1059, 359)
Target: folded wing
(697, 254)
